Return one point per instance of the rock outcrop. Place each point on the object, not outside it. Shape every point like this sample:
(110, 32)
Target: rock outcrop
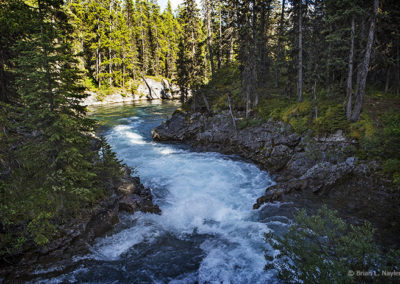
(304, 167)
(148, 89)
(273, 145)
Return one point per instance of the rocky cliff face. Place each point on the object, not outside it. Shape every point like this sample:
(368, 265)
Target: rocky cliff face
(149, 89)
(309, 170)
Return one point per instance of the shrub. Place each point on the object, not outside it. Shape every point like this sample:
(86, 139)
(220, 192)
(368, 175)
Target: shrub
(362, 128)
(384, 144)
(392, 167)
(134, 86)
(390, 135)
(332, 120)
(89, 84)
(272, 107)
(243, 123)
(322, 248)
(300, 124)
(301, 109)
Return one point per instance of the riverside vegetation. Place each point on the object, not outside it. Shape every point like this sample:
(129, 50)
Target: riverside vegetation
(315, 66)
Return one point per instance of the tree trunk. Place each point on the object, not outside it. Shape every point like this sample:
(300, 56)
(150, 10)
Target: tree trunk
(315, 99)
(398, 68)
(248, 100)
(123, 73)
(97, 64)
(210, 35)
(363, 71)
(109, 52)
(387, 80)
(205, 101)
(278, 53)
(148, 86)
(230, 110)
(99, 69)
(300, 66)
(219, 38)
(194, 101)
(262, 63)
(328, 64)
(157, 56)
(109, 67)
(231, 49)
(349, 90)
(144, 64)
(255, 60)
(3, 90)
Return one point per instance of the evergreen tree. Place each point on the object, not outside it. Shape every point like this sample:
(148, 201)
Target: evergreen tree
(190, 54)
(48, 82)
(171, 32)
(48, 157)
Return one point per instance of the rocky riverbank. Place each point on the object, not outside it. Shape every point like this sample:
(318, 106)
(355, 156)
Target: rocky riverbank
(148, 89)
(74, 238)
(309, 170)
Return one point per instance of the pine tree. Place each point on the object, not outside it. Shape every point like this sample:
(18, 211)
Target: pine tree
(189, 55)
(55, 172)
(171, 32)
(142, 35)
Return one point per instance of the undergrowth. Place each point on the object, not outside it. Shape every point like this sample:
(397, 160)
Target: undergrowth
(377, 131)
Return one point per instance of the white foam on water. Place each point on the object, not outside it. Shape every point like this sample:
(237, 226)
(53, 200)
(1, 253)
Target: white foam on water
(200, 194)
(112, 247)
(133, 138)
(207, 193)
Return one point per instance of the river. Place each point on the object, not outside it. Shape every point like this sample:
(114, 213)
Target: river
(207, 232)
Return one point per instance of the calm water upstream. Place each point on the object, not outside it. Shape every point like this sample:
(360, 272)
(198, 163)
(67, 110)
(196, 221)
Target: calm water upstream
(207, 232)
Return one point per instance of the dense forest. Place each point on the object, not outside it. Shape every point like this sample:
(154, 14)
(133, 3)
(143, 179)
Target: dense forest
(318, 65)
